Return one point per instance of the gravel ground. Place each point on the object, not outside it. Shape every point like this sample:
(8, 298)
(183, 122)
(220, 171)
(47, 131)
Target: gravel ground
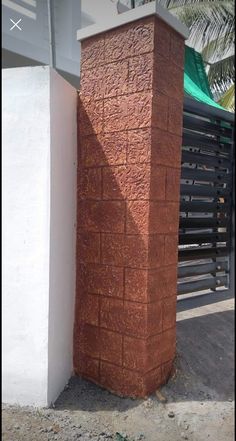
(197, 404)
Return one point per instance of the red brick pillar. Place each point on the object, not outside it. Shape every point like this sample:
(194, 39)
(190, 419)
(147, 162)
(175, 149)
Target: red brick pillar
(130, 127)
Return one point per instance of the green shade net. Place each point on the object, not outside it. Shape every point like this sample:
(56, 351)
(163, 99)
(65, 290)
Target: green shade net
(195, 79)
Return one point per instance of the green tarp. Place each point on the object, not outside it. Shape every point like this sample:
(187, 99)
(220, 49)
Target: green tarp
(195, 79)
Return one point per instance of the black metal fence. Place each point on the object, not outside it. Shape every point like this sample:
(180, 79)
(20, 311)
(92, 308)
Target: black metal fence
(206, 230)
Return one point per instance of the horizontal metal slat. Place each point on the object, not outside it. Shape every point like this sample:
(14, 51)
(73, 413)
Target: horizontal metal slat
(205, 176)
(204, 207)
(191, 157)
(201, 159)
(193, 123)
(200, 285)
(206, 268)
(201, 222)
(202, 253)
(186, 238)
(205, 110)
(195, 140)
(203, 190)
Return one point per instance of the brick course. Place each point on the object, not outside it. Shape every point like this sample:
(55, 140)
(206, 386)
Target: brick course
(129, 147)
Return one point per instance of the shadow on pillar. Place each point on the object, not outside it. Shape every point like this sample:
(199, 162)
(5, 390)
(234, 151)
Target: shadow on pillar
(125, 314)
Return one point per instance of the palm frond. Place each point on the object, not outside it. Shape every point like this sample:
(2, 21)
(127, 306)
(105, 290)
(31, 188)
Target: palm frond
(228, 99)
(219, 47)
(174, 4)
(222, 73)
(206, 19)
(208, 24)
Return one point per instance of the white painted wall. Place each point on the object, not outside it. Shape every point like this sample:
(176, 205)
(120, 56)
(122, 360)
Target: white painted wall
(26, 221)
(39, 165)
(62, 233)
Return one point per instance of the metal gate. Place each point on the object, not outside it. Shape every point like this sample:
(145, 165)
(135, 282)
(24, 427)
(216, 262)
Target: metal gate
(206, 230)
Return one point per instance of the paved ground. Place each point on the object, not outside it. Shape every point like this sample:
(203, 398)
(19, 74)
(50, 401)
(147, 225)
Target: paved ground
(199, 398)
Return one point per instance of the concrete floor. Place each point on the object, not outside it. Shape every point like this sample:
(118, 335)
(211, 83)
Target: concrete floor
(205, 335)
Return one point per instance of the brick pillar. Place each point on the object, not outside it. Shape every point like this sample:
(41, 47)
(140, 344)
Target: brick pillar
(130, 127)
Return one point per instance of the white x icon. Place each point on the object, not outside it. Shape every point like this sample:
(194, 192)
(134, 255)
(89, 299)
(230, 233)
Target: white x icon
(15, 24)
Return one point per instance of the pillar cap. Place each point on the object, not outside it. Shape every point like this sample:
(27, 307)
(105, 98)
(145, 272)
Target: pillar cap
(152, 8)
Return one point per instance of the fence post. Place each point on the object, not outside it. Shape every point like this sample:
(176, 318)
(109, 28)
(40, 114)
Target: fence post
(130, 131)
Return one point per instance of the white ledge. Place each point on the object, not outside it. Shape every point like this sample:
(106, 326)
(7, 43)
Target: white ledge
(153, 8)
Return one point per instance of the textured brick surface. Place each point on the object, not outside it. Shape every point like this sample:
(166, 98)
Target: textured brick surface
(177, 50)
(164, 217)
(88, 309)
(168, 78)
(137, 251)
(116, 115)
(112, 249)
(141, 73)
(136, 285)
(139, 146)
(172, 184)
(125, 112)
(137, 217)
(166, 148)
(92, 52)
(111, 314)
(142, 36)
(129, 157)
(164, 281)
(153, 379)
(92, 84)
(103, 149)
(154, 318)
(169, 313)
(89, 340)
(118, 45)
(111, 347)
(135, 354)
(90, 184)
(139, 110)
(122, 381)
(87, 366)
(140, 251)
(160, 112)
(171, 249)
(144, 251)
(90, 116)
(161, 348)
(88, 247)
(129, 40)
(132, 182)
(103, 279)
(115, 78)
(135, 319)
(163, 39)
(175, 117)
(104, 216)
(128, 318)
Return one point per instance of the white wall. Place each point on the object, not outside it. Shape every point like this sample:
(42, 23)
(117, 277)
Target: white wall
(26, 186)
(36, 158)
(62, 232)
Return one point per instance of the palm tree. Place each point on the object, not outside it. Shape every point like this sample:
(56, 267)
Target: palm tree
(212, 28)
